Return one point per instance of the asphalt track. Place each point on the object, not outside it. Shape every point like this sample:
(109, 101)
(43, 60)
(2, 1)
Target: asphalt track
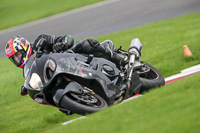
(102, 18)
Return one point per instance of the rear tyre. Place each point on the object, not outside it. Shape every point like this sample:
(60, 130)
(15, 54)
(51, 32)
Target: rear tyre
(150, 77)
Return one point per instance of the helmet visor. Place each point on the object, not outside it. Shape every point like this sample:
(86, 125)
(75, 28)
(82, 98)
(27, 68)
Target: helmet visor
(17, 58)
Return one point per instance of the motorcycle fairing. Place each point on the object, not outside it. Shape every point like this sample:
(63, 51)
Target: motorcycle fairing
(74, 65)
(71, 87)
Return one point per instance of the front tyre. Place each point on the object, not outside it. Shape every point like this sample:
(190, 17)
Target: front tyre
(85, 103)
(150, 77)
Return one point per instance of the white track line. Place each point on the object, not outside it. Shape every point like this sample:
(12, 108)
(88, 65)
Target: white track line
(65, 123)
(184, 73)
(190, 69)
(131, 98)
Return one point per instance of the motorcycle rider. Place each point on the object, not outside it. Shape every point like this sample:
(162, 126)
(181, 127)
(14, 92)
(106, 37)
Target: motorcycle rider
(18, 49)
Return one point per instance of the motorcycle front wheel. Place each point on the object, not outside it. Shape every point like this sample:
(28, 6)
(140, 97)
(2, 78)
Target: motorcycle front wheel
(82, 104)
(150, 77)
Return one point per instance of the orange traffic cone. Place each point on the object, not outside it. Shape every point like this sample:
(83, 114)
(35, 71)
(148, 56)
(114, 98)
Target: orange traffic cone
(187, 51)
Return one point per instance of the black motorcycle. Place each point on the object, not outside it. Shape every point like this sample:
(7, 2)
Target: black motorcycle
(85, 84)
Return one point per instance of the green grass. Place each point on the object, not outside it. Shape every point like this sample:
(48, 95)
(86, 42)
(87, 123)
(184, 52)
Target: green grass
(18, 12)
(170, 109)
(163, 42)
(173, 108)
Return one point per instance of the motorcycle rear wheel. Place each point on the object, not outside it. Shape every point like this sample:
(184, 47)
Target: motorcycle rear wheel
(80, 106)
(151, 79)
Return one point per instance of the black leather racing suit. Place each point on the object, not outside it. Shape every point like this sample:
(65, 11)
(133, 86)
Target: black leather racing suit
(88, 46)
(48, 41)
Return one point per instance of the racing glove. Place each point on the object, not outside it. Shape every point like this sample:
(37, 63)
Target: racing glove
(60, 46)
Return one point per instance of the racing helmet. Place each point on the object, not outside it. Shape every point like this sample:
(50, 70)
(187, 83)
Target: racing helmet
(18, 50)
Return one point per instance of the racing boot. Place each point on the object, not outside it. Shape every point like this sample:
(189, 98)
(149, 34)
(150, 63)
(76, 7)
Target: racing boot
(107, 50)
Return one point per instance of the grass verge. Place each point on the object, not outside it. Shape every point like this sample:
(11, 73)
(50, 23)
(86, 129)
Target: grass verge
(18, 12)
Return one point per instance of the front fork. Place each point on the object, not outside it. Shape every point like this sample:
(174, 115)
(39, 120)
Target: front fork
(130, 69)
(134, 52)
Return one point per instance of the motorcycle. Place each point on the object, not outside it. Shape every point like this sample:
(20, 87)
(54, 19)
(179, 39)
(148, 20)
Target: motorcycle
(85, 84)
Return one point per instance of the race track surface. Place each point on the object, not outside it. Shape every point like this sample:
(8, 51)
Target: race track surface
(102, 18)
